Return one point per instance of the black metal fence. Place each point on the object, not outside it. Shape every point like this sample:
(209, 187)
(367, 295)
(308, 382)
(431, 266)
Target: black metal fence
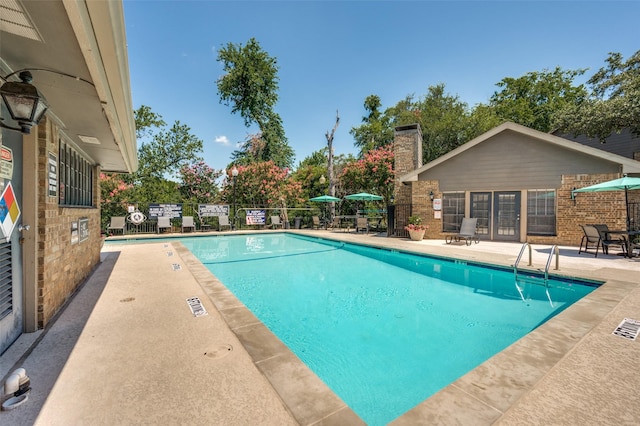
(398, 217)
(295, 217)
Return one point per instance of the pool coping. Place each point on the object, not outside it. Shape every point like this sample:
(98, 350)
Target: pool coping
(493, 392)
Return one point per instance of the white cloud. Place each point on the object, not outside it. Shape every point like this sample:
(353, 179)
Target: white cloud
(222, 140)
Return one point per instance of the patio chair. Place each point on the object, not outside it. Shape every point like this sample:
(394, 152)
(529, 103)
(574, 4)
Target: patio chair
(275, 222)
(362, 223)
(591, 236)
(118, 224)
(164, 223)
(187, 223)
(223, 221)
(316, 222)
(606, 239)
(467, 232)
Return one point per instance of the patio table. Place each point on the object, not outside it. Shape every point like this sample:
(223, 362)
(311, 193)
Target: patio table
(628, 238)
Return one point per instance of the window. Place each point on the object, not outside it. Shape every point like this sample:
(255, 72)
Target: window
(452, 211)
(541, 212)
(76, 178)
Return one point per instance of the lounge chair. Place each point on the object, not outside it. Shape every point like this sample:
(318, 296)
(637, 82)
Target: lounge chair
(275, 222)
(316, 222)
(223, 221)
(164, 223)
(467, 232)
(187, 223)
(362, 223)
(118, 224)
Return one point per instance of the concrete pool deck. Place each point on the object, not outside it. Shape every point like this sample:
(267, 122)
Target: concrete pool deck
(126, 349)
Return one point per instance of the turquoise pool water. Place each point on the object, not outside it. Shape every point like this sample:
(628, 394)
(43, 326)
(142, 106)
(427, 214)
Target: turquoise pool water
(384, 330)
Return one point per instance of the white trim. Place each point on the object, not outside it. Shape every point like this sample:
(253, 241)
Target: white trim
(628, 165)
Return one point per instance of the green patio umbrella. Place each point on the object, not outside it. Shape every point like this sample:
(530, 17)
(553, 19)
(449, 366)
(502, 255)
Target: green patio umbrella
(622, 184)
(324, 199)
(363, 196)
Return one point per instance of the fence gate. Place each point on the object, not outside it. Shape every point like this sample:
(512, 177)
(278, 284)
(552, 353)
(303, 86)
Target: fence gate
(398, 216)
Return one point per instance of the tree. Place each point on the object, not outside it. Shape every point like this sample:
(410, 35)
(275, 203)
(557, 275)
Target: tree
(374, 173)
(250, 86)
(533, 99)
(613, 104)
(263, 184)
(442, 117)
(198, 183)
(115, 193)
(330, 172)
(375, 131)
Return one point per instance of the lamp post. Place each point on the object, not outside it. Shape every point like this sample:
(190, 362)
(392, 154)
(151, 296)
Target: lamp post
(234, 174)
(322, 181)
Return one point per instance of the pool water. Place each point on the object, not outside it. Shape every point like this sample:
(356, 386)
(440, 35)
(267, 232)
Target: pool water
(384, 330)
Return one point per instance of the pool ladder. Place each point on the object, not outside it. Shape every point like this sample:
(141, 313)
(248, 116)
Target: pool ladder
(530, 279)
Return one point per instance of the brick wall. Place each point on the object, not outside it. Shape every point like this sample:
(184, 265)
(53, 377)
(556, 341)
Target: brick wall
(61, 265)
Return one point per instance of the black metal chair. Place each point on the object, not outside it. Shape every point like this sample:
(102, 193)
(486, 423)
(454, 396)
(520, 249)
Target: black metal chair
(606, 240)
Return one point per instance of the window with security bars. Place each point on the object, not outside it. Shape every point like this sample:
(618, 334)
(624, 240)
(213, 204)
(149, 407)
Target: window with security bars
(541, 212)
(452, 211)
(6, 280)
(75, 177)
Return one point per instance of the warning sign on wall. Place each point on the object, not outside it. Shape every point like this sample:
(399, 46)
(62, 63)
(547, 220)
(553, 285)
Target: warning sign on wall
(6, 163)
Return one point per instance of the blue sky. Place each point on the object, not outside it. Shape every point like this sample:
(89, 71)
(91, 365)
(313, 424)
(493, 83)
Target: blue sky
(333, 54)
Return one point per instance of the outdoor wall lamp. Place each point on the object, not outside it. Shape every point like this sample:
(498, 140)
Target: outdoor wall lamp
(573, 195)
(431, 195)
(25, 103)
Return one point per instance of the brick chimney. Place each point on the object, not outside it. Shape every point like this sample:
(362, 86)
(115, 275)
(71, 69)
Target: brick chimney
(407, 145)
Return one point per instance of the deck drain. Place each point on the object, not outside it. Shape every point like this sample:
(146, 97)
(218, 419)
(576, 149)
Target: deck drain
(219, 351)
(628, 328)
(128, 299)
(196, 307)
(176, 266)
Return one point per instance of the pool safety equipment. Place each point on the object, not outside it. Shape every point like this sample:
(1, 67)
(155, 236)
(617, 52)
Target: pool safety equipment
(16, 389)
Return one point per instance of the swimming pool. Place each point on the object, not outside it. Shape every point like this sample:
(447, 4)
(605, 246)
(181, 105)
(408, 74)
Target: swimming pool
(385, 330)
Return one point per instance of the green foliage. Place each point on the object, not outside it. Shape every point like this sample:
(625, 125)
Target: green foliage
(613, 104)
(146, 121)
(316, 158)
(443, 118)
(376, 131)
(167, 152)
(250, 86)
(533, 99)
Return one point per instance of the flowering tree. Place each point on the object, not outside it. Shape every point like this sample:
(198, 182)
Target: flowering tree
(262, 184)
(199, 182)
(114, 195)
(374, 173)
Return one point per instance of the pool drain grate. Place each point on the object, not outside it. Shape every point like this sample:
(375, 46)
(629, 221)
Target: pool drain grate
(196, 307)
(628, 328)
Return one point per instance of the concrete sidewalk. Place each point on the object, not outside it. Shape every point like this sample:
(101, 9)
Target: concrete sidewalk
(127, 350)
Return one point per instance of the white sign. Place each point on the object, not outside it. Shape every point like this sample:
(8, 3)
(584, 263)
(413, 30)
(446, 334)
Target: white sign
(6, 162)
(437, 204)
